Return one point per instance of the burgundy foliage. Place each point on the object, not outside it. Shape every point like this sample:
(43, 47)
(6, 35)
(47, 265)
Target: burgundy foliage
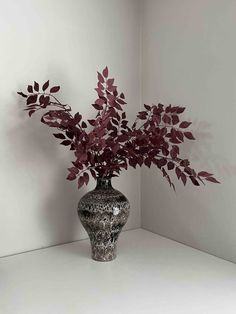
(106, 144)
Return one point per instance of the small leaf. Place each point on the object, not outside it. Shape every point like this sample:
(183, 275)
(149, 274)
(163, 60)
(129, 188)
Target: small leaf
(80, 182)
(194, 181)
(86, 178)
(175, 119)
(84, 125)
(185, 124)
(170, 165)
(30, 88)
(110, 82)
(70, 134)
(121, 101)
(178, 172)
(211, 179)
(180, 109)
(204, 174)
(92, 122)
(31, 99)
(22, 94)
(31, 112)
(77, 117)
(105, 72)
(36, 86)
(66, 143)
(183, 178)
(147, 107)
(166, 119)
(71, 176)
(45, 85)
(97, 107)
(93, 173)
(55, 89)
(189, 135)
(99, 101)
(100, 78)
(59, 135)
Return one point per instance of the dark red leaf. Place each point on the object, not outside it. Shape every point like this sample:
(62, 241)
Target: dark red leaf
(22, 94)
(110, 82)
(204, 174)
(31, 112)
(84, 125)
(45, 85)
(105, 72)
(97, 107)
(166, 119)
(194, 180)
(148, 162)
(30, 88)
(180, 110)
(77, 118)
(170, 165)
(80, 182)
(117, 106)
(99, 91)
(115, 121)
(189, 135)
(71, 176)
(99, 101)
(211, 179)
(179, 135)
(183, 178)
(175, 119)
(59, 135)
(123, 138)
(55, 89)
(188, 170)
(185, 124)
(70, 134)
(66, 143)
(93, 173)
(100, 78)
(178, 172)
(86, 178)
(31, 99)
(92, 122)
(147, 107)
(121, 101)
(36, 86)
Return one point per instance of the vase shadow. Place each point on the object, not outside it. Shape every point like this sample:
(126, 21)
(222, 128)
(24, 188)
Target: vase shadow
(56, 205)
(202, 152)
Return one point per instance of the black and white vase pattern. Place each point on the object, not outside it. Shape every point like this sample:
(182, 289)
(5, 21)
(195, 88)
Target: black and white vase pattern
(103, 213)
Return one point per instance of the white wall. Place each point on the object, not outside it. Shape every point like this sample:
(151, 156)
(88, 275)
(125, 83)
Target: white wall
(65, 41)
(189, 50)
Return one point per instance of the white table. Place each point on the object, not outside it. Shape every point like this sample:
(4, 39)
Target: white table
(151, 275)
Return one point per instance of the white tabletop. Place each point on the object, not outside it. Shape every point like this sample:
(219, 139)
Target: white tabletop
(150, 275)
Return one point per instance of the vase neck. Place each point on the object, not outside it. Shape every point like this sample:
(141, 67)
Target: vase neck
(103, 183)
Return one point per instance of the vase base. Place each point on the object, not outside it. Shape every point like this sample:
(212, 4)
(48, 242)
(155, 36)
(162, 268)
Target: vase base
(104, 254)
(104, 259)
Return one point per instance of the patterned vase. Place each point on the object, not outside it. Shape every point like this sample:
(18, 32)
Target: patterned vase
(103, 213)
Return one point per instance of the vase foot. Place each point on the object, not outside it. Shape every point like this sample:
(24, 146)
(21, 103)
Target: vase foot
(104, 254)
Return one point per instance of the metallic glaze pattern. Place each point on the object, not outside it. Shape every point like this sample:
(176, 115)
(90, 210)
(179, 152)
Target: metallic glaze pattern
(103, 213)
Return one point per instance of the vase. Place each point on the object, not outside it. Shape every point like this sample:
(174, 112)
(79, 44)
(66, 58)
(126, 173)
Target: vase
(103, 212)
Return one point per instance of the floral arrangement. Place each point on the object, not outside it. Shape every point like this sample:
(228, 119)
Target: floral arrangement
(107, 144)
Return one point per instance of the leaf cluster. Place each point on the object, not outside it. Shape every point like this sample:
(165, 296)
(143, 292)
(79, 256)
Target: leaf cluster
(108, 143)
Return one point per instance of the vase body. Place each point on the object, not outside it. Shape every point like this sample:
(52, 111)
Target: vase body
(103, 212)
